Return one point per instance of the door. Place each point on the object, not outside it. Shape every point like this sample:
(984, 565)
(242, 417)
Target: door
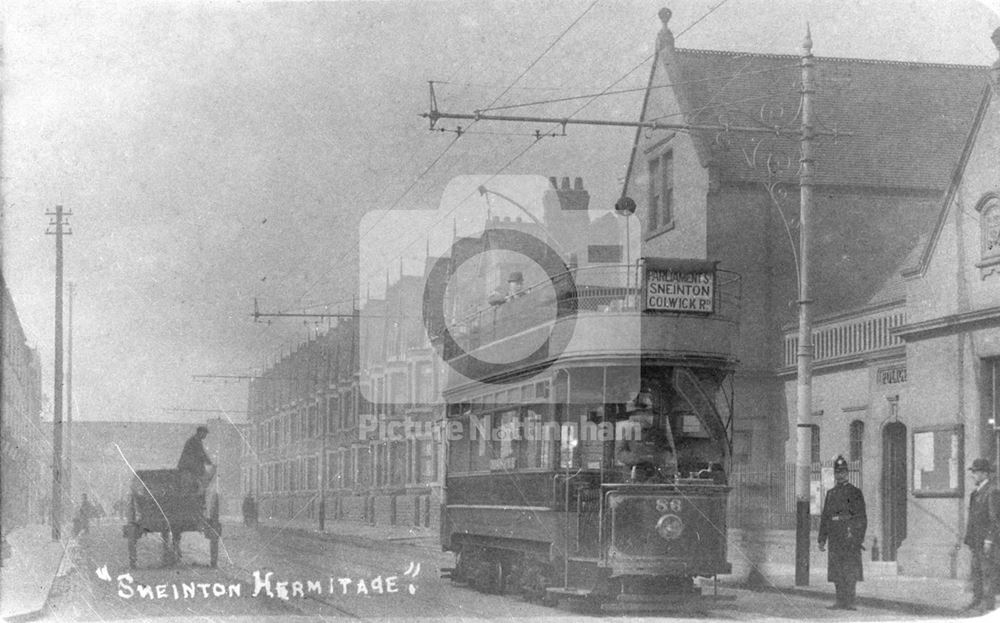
(893, 489)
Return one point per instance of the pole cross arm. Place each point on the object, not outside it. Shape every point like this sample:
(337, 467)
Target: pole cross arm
(435, 115)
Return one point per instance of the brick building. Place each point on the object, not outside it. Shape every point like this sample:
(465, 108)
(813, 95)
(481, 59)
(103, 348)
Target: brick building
(884, 285)
(26, 452)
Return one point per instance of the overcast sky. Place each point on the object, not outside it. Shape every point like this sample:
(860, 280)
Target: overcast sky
(216, 153)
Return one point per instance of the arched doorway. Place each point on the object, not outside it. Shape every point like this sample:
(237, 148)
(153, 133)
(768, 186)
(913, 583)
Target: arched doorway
(893, 489)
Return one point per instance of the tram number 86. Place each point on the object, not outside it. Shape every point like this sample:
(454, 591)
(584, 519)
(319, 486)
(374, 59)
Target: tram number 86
(668, 504)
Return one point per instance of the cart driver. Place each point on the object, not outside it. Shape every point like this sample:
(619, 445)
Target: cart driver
(643, 445)
(194, 460)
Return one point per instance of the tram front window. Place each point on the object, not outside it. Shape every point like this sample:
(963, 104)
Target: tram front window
(644, 446)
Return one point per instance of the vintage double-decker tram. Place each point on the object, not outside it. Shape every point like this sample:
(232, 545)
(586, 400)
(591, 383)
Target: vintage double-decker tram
(549, 489)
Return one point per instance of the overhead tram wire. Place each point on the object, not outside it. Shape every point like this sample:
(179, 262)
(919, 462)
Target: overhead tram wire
(633, 90)
(577, 111)
(378, 221)
(546, 51)
(457, 136)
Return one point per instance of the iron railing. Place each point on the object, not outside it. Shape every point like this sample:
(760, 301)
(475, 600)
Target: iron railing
(857, 335)
(763, 495)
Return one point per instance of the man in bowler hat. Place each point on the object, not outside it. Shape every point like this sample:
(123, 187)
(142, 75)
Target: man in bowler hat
(843, 524)
(980, 535)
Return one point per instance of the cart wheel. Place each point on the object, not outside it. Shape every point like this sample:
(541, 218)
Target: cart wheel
(213, 552)
(132, 531)
(168, 556)
(215, 530)
(132, 550)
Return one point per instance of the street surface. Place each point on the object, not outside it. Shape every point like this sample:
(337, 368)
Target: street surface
(331, 578)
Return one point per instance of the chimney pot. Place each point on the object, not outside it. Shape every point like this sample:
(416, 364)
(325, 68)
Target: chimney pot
(554, 182)
(565, 183)
(578, 183)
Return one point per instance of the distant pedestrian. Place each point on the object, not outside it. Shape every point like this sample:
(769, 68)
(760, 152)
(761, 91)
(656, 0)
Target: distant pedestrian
(980, 535)
(44, 507)
(81, 521)
(249, 511)
(843, 524)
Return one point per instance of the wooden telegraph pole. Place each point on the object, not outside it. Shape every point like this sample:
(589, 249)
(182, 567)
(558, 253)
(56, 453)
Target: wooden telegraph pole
(57, 396)
(69, 398)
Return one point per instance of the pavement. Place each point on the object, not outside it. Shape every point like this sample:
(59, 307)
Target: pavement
(881, 589)
(36, 560)
(937, 597)
(28, 573)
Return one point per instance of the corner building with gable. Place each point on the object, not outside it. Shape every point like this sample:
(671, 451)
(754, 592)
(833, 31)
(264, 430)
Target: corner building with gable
(905, 265)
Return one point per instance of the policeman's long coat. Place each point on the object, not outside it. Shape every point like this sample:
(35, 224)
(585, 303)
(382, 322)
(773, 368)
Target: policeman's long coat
(842, 525)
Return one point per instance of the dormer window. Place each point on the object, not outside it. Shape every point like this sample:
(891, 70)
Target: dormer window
(989, 235)
(661, 193)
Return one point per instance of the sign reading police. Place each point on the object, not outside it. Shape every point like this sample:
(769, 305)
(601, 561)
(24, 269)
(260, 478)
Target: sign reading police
(673, 285)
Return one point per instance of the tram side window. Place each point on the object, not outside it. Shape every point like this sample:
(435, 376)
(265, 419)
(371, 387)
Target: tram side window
(593, 435)
(536, 439)
(504, 429)
(480, 445)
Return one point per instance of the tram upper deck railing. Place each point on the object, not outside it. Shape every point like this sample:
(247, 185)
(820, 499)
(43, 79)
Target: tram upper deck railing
(608, 291)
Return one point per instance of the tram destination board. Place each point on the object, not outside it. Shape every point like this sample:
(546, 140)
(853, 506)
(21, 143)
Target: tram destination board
(678, 285)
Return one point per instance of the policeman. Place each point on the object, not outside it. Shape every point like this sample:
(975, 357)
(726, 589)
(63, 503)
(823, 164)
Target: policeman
(843, 524)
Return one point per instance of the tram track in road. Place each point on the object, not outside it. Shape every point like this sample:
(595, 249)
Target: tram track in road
(238, 573)
(298, 551)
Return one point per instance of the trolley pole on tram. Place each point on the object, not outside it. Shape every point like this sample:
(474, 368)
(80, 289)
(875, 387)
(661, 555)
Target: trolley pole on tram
(805, 349)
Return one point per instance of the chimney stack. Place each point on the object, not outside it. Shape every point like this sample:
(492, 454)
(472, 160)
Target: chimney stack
(665, 40)
(515, 283)
(995, 70)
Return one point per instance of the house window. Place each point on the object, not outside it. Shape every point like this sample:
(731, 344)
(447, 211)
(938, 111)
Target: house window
(991, 411)
(857, 435)
(661, 192)
(989, 234)
(814, 444)
(424, 383)
(426, 467)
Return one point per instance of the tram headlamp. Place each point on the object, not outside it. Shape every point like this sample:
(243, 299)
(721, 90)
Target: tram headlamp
(670, 527)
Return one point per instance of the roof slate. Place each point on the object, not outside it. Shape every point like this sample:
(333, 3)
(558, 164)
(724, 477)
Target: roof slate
(908, 121)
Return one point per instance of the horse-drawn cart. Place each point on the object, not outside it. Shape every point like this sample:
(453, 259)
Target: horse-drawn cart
(168, 501)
